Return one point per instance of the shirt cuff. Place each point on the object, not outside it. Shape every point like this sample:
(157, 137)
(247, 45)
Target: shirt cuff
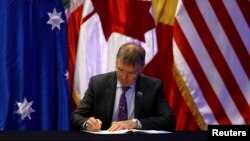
(138, 123)
(84, 126)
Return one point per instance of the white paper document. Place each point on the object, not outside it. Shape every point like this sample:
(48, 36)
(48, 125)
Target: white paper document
(108, 132)
(129, 131)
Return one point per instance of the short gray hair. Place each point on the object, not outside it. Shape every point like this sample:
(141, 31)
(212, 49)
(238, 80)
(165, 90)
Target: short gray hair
(132, 54)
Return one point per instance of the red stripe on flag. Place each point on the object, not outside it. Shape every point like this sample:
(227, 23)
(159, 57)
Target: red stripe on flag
(217, 58)
(199, 75)
(245, 7)
(232, 34)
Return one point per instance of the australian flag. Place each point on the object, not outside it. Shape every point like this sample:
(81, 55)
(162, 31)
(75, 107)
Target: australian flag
(33, 65)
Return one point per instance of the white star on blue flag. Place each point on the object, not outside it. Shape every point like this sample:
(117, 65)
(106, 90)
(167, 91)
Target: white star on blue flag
(55, 19)
(24, 108)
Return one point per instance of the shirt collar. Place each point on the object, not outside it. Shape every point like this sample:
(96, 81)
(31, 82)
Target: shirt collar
(118, 85)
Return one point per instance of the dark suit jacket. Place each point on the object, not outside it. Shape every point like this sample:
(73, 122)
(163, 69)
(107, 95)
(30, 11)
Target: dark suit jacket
(151, 108)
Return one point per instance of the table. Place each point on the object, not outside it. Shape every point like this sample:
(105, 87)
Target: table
(77, 135)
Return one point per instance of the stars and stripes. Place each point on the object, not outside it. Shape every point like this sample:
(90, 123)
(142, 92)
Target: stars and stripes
(211, 53)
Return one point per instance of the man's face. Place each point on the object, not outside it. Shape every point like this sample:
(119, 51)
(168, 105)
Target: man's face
(127, 74)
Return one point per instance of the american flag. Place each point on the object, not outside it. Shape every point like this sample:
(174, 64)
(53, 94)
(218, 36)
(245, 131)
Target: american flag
(211, 46)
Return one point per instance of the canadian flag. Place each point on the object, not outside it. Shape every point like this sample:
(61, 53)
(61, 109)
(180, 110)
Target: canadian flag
(105, 27)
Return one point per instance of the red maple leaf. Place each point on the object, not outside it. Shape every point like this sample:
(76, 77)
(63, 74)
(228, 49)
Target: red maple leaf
(128, 17)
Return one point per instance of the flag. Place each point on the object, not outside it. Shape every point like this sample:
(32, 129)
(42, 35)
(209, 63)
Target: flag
(106, 25)
(33, 66)
(161, 65)
(74, 22)
(211, 49)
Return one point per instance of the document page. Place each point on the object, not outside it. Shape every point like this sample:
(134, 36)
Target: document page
(125, 131)
(151, 131)
(130, 131)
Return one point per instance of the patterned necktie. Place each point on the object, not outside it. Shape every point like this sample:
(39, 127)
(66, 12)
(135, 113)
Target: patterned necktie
(122, 109)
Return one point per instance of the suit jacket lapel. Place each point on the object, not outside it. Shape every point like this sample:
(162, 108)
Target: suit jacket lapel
(138, 96)
(110, 97)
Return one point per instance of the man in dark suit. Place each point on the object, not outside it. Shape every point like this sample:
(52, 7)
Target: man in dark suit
(145, 105)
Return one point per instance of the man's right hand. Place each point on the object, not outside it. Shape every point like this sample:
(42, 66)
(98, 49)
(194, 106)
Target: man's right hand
(93, 124)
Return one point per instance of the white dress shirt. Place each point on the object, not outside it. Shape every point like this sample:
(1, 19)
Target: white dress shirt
(130, 97)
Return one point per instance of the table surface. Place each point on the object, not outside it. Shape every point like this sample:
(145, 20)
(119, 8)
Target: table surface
(77, 135)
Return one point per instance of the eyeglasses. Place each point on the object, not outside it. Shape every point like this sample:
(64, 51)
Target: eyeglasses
(132, 74)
